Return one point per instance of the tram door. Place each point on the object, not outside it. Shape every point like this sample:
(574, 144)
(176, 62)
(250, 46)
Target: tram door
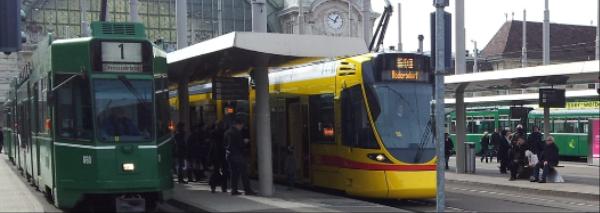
(297, 131)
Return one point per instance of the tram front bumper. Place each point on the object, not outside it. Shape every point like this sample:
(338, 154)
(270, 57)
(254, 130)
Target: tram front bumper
(411, 184)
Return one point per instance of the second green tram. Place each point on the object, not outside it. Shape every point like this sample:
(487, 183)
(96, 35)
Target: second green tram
(88, 117)
(568, 126)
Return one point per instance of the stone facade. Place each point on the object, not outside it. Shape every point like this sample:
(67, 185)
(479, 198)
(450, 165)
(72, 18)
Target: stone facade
(348, 18)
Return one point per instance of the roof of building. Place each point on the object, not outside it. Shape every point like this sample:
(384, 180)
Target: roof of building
(567, 42)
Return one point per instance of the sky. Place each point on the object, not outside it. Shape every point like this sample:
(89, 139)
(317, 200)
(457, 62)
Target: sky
(483, 18)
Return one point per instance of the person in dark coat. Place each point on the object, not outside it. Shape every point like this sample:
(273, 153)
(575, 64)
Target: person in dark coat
(517, 157)
(485, 142)
(180, 152)
(535, 141)
(519, 133)
(503, 148)
(547, 162)
(220, 174)
(495, 142)
(1, 139)
(448, 148)
(234, 143)
(196, 154)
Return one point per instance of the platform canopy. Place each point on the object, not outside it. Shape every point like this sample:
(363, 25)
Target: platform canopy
(240, 50)
(539, 76)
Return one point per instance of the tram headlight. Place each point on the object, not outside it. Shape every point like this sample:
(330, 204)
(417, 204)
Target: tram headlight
(379, 157)
(128, 167)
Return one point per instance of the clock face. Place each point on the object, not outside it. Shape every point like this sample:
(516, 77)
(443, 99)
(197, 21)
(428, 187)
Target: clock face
(334, 21)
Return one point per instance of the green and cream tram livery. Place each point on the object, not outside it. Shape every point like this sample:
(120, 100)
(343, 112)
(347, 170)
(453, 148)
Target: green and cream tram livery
(88, 117)
(568, 126)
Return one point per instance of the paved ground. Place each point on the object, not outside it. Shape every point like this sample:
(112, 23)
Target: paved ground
(16, 195)
(197, 196)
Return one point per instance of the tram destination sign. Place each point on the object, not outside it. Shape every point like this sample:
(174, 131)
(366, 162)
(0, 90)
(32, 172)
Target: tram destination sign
(121, 57)
(230, 88)
(403, 67)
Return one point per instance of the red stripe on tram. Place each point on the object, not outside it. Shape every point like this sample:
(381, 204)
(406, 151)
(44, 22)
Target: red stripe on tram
(336, 161)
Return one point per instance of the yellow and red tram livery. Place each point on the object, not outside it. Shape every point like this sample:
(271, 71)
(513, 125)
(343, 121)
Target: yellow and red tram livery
(360, 124)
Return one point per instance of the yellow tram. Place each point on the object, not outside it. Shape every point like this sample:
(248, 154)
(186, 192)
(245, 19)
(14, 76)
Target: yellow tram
(362, 124)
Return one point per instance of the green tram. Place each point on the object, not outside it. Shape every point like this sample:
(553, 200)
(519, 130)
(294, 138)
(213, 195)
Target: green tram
(88, 118)
(568, 126)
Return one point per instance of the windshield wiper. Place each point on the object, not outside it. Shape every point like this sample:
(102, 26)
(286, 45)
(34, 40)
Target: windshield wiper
(131, 89)
(425, 137)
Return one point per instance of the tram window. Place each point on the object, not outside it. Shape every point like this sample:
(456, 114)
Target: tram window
(124, 110)
(558, 126)
(356, 130)
(583, 126)
(43, 105)
(162, 107)
(73, 108)
(36, 107)
(322, 119)
(570, 126)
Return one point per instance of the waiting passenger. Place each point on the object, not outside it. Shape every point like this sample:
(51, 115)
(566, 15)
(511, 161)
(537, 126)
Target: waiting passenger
(235, 155)
(495, 141)
(519, 133)
(548, 160)
(448, 148)
(290, 166)
(196, 154)
(503, 148)
(536, 144)
(485, 142)
(517, 157)
(1, 139)
(220, 174)
(180, 152)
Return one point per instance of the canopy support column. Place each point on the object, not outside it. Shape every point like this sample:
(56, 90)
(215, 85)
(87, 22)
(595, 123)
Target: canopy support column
(184, 104)
(460, 129)
(263, 116)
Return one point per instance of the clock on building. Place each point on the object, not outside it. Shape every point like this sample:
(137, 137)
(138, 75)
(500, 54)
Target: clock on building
(334, 21)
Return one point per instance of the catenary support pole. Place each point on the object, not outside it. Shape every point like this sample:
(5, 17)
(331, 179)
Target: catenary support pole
(439, 103)
(475, 57)
(524, 41)
(460, 68)
(84, 28)
(182, 41)
(263, 117)
(181, 19)
(300, 17)
(133, 11)
(399, 27)
(546, 59)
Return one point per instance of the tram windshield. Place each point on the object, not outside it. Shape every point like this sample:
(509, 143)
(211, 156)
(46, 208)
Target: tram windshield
(403, 120)
(124, 110)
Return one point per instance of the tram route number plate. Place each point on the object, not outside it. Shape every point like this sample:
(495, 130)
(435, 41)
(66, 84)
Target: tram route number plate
(230, 88)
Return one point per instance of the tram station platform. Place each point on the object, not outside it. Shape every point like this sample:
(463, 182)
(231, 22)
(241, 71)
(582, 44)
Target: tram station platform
(15, 195)
(581, 180)
(196, 197)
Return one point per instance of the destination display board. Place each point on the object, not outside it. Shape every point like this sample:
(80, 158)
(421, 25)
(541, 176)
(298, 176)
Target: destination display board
(404, 67)
(230, 88)
(121, 57)
(552, 98)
